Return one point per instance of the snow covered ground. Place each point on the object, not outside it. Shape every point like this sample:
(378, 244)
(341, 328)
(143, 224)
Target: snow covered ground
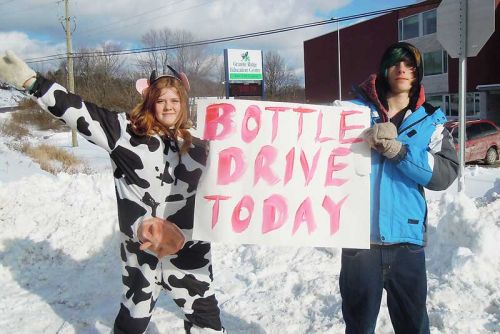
(9, 98)
(59, 260)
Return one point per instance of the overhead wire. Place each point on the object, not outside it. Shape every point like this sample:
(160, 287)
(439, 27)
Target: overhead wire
(152, 18)
(31, 7)
(220, 39)
(98, 28)
(5, 2)
(64, 55)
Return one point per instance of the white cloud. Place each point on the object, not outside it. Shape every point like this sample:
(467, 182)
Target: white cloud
(24, 46)
(126, 21)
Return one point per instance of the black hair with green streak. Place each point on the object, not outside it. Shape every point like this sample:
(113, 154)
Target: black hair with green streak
(395, 53)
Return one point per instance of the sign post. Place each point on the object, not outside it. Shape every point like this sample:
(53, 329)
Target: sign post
(463, 27)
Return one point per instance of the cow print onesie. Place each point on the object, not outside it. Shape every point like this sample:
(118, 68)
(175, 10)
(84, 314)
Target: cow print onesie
(151, 181)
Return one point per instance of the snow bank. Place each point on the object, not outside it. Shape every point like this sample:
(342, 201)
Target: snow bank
(60, 267)
(463, 265)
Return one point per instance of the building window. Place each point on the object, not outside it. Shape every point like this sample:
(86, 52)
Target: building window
(445, 61)
(453, 105)
(417, 25)
(435, 62)
(429, 22)
(472, 102)
(409, 27)
(447, 108)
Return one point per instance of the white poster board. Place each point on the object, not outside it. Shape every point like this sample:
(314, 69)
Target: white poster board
(284, 174)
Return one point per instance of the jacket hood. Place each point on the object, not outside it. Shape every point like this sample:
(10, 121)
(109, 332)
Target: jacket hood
(368, 91)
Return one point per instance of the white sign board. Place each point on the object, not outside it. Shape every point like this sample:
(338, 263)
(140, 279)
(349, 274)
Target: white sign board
(284, 174)
(479, 25)
(244, 64)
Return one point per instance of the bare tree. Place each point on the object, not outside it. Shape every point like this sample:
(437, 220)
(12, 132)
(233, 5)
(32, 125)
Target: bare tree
(96, 71)
(100, 78)
(158, 59)
(280, 81)
(195, 61)
(99, 61)
(221, 76)
(192, 60)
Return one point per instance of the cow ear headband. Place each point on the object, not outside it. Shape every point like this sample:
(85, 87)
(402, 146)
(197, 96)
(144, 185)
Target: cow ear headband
(144, 83)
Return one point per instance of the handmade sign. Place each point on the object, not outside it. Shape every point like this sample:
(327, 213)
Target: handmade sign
(284, 174)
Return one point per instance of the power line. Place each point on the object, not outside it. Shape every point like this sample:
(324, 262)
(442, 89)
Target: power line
(97, 28)
(5, 2)
(149, 19)
(221, 39)
(30, 8)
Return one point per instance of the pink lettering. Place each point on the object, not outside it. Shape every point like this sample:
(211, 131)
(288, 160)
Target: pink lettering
(332, 167)
(276, 110)
(213, 119)
(252, 112)
(215, 208)
(302, 111)
(275, 213)
(239, 225)
(319, 127)
(309, 172)
(304, 214)
(262, 168)
(275, 127)
(224, 175)
(344, 128)
(290, 158)
(301, 125)
(333, 210)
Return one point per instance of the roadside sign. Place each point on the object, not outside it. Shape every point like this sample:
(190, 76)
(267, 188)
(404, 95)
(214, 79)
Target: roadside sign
(479, 17)
(463, 27)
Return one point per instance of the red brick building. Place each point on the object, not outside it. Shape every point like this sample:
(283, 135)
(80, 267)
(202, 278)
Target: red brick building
(362, 45)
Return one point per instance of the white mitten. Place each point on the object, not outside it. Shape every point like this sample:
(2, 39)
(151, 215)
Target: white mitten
(15, 72)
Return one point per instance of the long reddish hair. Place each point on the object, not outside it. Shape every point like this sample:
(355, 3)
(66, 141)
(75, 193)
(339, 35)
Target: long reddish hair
(143, 118)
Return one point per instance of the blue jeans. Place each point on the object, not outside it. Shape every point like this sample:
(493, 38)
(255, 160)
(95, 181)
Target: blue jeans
(400, 270)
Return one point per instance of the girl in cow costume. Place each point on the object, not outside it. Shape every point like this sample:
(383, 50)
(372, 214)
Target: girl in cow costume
(157, 165)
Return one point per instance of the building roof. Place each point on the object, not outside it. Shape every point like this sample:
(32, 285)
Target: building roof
(491, 87)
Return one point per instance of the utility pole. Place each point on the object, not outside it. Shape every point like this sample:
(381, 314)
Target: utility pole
(69, 57)
(338, 57)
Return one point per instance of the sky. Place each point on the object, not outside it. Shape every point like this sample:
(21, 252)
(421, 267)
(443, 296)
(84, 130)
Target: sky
(60, 266)
(33, 28)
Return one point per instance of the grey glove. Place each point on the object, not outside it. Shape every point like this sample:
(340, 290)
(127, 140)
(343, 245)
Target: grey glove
(382, 137)
(15, 72)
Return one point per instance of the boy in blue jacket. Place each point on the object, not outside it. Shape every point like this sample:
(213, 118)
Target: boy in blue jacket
(411, 150)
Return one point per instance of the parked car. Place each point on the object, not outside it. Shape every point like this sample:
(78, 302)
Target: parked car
(482, 140)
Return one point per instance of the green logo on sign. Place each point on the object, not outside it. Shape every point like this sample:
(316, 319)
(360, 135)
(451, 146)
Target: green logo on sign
(245, 56)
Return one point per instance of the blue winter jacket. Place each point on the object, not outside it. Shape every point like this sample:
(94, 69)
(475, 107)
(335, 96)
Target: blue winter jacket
(427, 160)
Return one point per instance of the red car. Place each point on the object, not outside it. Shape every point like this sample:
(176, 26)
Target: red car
(482, 140)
